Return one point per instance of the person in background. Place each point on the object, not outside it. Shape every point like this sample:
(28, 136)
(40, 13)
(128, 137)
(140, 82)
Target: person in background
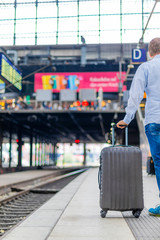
(147, 78)
(47, 105)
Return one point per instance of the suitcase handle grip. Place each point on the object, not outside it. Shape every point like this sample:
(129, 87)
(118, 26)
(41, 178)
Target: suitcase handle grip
(126, 135)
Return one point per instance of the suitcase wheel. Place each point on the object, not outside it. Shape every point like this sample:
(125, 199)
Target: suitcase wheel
(136, 213)
(103, 213)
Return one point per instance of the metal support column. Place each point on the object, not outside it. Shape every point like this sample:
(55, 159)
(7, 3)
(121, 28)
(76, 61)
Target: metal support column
(78, 21)
(84, 154)
(54, 154)
(36, 22)
(83, 53)
(121, 32)
(10, 147)
(57, 31)
(31, 149)
(50, 152)
(46, 153)
(35, 151)
(39, 153)
(19, 148)
(15, 22)
(42, 154)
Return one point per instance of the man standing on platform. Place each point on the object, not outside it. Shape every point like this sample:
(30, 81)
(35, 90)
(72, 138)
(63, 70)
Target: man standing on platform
(147, 78)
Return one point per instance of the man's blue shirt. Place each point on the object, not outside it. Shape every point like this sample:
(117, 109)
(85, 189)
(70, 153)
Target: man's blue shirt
(147, 78)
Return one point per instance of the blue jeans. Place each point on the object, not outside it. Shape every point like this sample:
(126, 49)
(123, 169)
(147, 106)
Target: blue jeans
(152, 131)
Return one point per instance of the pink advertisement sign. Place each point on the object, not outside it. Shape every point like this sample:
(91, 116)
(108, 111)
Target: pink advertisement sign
(108, 81)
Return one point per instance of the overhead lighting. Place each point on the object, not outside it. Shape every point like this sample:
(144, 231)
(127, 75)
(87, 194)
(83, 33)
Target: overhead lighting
(130, 66)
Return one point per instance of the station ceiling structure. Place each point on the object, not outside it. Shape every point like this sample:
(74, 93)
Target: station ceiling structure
(46, 22)
(64, 126)
(38, 29)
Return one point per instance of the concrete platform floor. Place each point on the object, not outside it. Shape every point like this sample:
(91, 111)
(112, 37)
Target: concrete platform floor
(74, 214)
(16, 177)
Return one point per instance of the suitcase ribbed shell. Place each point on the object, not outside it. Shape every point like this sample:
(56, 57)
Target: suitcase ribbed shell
(121, 179)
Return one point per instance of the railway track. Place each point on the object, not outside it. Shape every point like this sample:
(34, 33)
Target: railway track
(24, 200)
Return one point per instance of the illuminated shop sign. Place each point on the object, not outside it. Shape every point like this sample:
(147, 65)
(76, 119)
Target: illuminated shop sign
(9, 73)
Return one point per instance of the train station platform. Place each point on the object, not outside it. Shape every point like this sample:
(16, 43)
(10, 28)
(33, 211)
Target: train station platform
(74, 214)
(17, 177)
(9, 179)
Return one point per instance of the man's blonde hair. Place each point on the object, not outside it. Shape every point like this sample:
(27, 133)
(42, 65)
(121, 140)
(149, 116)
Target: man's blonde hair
(154, 47)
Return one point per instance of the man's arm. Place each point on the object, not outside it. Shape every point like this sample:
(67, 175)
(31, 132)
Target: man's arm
(136, 93)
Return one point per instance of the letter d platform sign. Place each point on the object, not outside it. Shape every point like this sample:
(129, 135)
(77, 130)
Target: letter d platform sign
(138, 55)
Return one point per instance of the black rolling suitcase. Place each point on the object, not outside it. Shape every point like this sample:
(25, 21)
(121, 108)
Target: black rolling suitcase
(150, 166)
(120, 178)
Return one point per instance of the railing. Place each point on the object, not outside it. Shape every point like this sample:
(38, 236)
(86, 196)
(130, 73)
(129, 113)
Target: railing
(60, 106)
(143, 139)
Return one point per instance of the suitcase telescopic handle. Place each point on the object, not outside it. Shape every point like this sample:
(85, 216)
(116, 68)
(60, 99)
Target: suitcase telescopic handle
(126, 135)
